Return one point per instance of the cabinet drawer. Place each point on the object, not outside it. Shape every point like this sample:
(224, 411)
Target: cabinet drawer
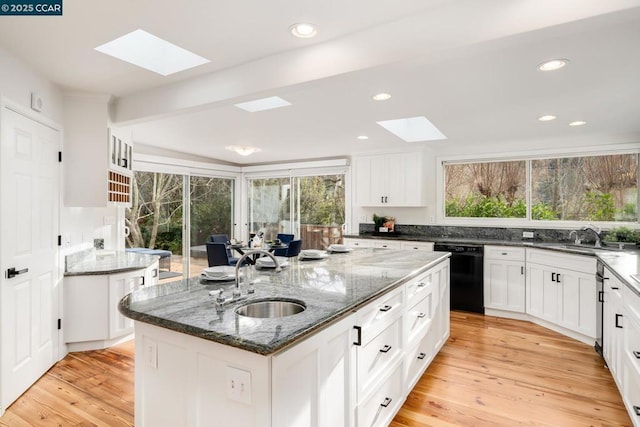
(376, 357)
(631, 393)
(378, 314)
(419, 317)
(580, 263)
(421, 285)
(383, 403)
(632, 343)
(355, 243)
(504, 252)
(387, 244)
(631, 300)
(418, 246)
(418, 358)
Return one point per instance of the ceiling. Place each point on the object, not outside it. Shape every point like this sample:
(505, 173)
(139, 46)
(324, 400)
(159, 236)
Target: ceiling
(469, 66)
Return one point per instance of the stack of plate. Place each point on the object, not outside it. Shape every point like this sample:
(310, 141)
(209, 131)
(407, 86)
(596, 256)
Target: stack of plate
(312, 254)
(339, 248)
(219, 273)
(267, 262)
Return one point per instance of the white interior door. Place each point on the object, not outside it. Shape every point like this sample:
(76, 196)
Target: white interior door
(29, 191)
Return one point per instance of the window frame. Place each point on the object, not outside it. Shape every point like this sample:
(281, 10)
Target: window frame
(528, 158)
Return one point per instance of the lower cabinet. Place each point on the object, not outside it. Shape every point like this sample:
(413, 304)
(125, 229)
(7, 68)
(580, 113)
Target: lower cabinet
(621, 340)
(388, 243)
(91, 317)
(561, 289)
(504, 278)
(356, 372)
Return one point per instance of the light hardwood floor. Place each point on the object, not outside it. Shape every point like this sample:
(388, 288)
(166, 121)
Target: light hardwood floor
(491, 372)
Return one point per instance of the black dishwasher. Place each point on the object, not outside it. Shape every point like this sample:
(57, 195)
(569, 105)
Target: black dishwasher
(466, 275)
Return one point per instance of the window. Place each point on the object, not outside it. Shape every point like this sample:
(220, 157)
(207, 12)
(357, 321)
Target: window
(311, 207)
(597, 188)
(586, 188)
(156, 218)
(485, 190)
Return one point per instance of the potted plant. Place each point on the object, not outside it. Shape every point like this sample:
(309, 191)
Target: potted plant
(378, 222)
(622, 236)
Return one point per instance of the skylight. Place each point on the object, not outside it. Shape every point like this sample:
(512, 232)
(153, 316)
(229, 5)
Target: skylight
(413, 129)
(152, 53)
(263, 104)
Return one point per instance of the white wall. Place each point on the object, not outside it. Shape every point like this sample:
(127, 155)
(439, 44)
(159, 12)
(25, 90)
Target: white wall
(17, 81)
(78, 226)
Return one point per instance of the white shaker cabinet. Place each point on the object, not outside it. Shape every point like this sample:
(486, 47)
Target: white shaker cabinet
(389, 180)
(91, 317)
(504, 278)
(96, 160)
(561, 289)
(613, 320)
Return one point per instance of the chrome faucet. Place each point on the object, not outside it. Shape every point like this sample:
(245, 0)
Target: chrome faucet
(596, 230)
(236, 292)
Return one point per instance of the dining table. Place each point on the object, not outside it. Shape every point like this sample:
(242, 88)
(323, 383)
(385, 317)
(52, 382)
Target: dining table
(242, 249)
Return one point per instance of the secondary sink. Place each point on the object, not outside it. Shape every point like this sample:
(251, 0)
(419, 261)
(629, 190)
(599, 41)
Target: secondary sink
(271, 308)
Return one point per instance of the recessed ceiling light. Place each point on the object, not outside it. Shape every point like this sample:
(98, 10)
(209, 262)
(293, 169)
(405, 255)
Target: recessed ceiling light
(263, 104)
(547, 118)
(303, 30)
(363, 137)
(152, 53)
(243, 150)
(552, 65)
(381, 96)
(413, 129)
(578, 123)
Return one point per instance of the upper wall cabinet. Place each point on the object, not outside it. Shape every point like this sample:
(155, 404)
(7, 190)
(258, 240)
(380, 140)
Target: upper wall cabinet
(389, 180)
(96, 160)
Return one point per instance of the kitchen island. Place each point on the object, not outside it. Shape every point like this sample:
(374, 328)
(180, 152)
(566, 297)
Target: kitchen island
(374, 320)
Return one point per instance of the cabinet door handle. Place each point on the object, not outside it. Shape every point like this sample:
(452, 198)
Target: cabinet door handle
(600, 296)
(142, 282)
(636, 354)
(385, 199)
(385, 308)
(422, 356)
(615, 288)
(636, 409)
(421, 284)
(522, 270)
(358, 340)
(385, 349)
(558, 277)
(155, 272)
(381, 199)
(618, 316)
(387, 401)
(421, 315)
(553, 277)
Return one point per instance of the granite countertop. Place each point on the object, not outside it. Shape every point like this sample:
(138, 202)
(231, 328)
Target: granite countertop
(330, 288)
(624, 263)
(94, 262)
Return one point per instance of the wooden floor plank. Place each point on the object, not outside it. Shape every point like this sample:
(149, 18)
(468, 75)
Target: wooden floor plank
(491, 372)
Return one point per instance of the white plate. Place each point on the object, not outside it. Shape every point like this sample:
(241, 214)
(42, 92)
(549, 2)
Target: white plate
(339, 248)
(225, 278)
(219, 270)
(313, 256)
(266, 262)
(312, 252)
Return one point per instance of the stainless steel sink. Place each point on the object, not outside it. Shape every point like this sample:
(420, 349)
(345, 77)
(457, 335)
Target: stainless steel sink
(271, 308)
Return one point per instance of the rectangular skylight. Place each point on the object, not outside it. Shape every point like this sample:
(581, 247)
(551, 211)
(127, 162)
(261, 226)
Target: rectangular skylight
(152, 53)
(263, 104)
(413, 129)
